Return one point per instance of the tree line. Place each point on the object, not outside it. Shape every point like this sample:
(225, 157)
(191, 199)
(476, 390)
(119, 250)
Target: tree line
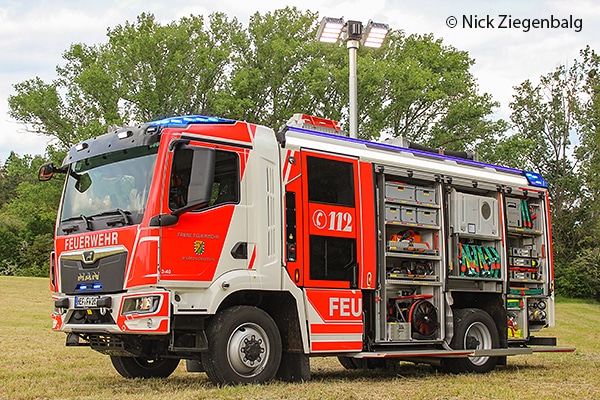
(415, 86)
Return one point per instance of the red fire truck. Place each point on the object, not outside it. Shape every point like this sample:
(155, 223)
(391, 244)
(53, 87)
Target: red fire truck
(247, 251)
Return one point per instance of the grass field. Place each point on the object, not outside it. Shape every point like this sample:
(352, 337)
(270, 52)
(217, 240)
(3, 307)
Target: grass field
(35, 364)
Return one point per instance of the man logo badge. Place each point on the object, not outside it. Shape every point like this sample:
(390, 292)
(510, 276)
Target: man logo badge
(88, 257)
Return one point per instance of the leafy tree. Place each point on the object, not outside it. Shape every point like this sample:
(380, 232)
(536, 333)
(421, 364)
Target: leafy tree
(545, 118)
(414, 86)
(425, 92)
(589, 149)
(176, 69)
(11, 176)
(27, 219)
(581, 277)
(146, 71)
(549, 119)
(282, 70)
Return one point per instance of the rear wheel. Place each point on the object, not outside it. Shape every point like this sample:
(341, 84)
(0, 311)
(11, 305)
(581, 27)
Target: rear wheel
(367, 363)
(135, 367)
(244, 346)
(474, 329)
(348, 362)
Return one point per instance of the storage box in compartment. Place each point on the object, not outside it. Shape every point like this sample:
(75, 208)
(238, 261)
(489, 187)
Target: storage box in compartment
(425, 195)
(408, 215)
(398, 331)
(427, 217)
(399, 192)
(392, 213)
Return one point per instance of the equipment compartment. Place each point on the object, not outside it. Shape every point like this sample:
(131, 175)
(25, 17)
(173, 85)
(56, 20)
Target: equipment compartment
(479, 260)
(473, 215)
(412, 315)
(411, 279)
(527, 260)
(476, 251)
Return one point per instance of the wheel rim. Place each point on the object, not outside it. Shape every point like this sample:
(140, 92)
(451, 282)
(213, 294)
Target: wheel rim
(478, 337)
(248, 350)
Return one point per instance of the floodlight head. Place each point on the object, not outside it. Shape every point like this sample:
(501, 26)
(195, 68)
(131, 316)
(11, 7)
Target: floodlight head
(375, 34)
(330, 29)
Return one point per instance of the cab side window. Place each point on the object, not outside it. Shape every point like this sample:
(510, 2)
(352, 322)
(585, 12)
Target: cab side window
(226, 186)
(226, 183)
(180, 178)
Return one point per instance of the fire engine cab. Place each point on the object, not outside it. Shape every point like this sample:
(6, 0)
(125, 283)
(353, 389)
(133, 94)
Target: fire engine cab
(247, 251)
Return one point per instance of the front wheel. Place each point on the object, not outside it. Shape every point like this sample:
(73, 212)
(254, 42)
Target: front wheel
(474, 329)
(244, 346)
(136, 367)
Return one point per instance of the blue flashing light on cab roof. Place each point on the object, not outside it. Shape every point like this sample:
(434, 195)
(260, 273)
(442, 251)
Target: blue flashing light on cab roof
(190, 119)
(536, 179)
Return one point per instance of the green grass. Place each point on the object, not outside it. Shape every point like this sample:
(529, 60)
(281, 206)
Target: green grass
(35, 364)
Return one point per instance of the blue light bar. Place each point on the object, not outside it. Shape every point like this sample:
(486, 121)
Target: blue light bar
(190, 119)
(93, 286)
(536, 179)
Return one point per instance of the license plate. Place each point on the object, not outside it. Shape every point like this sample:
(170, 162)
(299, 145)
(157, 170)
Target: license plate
(86, 301)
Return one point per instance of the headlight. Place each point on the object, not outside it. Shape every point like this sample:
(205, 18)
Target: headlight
(142, 304)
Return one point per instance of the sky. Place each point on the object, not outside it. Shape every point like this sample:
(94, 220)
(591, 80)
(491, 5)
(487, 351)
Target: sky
(510, 41)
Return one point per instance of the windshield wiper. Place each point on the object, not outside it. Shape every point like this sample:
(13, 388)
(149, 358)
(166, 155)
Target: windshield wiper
(74, 227)
(125, 217)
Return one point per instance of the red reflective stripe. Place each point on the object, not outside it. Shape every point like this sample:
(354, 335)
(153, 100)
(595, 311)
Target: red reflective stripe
(336, 346)
(336, 328)
(252, 259)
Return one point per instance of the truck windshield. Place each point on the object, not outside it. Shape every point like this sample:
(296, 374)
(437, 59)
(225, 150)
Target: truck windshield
(109, 184)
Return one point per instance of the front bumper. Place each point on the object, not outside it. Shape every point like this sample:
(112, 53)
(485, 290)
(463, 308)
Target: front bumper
(121, 313)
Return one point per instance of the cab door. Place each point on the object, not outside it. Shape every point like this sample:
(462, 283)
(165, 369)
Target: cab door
(330, 199)
(334, 236)
(209, 240)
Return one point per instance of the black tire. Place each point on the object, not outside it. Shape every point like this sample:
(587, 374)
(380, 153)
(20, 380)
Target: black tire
(473, 329)
(135, 367)
(244, 346)
(348, 362)
(366, 363)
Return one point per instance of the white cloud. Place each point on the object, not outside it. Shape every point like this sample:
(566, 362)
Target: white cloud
(34, 34)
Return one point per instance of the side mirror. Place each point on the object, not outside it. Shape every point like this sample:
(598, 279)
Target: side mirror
(83, 182)
(46, 172)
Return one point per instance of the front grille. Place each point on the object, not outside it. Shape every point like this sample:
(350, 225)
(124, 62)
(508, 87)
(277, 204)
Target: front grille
(93, 271)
